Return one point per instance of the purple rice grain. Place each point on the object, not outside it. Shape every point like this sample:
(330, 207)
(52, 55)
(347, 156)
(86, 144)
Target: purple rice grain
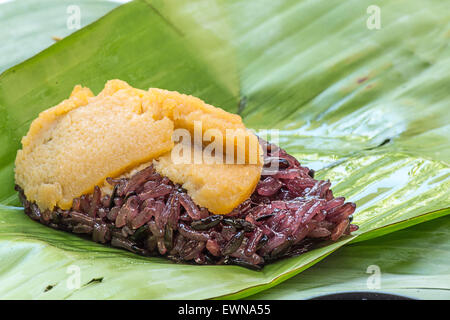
(288, 214)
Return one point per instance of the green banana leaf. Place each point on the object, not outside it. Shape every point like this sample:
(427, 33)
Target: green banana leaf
(366, 108)
(411, 262)
(31, 26)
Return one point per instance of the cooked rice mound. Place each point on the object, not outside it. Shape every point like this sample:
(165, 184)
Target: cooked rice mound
(288, 214)
(76, 145)
(103, 166)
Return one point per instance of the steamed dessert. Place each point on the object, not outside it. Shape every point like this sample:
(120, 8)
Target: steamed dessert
(77, 144)
(104, 166)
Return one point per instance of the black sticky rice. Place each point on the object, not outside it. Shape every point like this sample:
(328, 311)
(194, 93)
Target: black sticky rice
(288, 214)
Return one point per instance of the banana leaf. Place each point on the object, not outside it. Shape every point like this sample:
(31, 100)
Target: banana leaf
(366, 108)
(412, 263)
(31, 26)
